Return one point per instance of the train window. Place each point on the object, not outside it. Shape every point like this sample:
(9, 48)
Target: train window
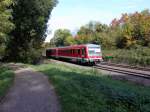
(73, 51)
(83, 51)
(70, 51)
(79, 51)
(94, 51)
(67, 51)
(76, 51)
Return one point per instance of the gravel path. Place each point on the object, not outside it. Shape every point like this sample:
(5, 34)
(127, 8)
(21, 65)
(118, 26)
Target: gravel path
(31, 92)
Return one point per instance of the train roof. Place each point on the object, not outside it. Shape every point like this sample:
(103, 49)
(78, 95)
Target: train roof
(88, 45)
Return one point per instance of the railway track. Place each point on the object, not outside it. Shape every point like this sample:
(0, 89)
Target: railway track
(127, 66)
(125, 70)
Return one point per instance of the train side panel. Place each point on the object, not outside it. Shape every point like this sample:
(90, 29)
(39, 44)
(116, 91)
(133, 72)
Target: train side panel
(73, 53)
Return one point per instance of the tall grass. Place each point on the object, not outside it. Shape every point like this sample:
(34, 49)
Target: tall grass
(6, 79)
(82, 90)
(139, 56)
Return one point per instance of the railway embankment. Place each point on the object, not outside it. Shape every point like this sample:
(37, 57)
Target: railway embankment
(131, 75)
(82, 88)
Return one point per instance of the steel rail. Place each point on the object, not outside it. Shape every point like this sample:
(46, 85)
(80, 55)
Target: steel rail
(118, 70)
(127, 66)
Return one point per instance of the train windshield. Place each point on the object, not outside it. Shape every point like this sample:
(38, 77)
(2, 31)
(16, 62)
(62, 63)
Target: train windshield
(94, 51)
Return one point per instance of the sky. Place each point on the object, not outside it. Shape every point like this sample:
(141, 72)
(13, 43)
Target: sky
(71, 14)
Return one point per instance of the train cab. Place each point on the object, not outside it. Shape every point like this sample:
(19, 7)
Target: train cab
(94, 53)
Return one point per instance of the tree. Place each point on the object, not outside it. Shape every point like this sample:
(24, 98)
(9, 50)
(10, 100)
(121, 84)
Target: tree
(30, 18)
(134, 28)
(60, 36)
(69, 41)
(5, 24)
(93, 32)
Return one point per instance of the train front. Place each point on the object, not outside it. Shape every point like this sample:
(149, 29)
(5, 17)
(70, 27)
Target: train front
(94, 53)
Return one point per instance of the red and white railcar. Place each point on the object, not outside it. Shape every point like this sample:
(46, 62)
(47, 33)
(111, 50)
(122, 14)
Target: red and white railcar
(89, 53)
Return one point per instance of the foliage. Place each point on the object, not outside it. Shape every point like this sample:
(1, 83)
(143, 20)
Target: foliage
(139, 56)
(93, 32)
(30, 19)
(69, 41)
(134, 29)
(61, 37)
(85, 90)
(6, 79)
(5, 24)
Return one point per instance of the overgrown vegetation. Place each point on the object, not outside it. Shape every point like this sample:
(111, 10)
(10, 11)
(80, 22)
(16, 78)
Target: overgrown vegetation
(6, 79)
(138, 57)
(82, 90)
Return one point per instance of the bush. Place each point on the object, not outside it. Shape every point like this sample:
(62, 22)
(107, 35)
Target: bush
(140, 56)
(34, 56)
(6, 79)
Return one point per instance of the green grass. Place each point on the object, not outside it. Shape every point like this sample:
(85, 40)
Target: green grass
(6, 79)
(82, 90)
(139, 56)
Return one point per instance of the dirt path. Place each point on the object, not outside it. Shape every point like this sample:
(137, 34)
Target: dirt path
(31, 92)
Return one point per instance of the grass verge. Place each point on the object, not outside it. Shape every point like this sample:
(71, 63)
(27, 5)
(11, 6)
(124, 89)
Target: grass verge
(6, 79)
(82, 90)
